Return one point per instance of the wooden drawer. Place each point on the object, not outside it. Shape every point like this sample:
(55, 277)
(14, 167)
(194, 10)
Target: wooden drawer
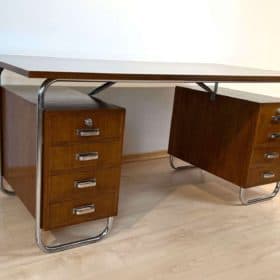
(100, 154)
(63, 214)
(263, 175)
(83, 184)
(265, 157)
(269, 125)
(75, 126)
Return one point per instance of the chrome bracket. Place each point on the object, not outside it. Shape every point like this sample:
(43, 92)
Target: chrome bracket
(2, 187)
(39, 164)
(245, 201)
(101, 88)
(213, 92)
(172, 164)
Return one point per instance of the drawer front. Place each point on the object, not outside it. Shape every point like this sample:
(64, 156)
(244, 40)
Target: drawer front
(83, 126)
(95, 155)
(268, 132)
(75, 212)
(268, 156)
(86, 184)
(262, 175)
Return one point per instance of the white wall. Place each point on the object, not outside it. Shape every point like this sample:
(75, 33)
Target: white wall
(241, 32)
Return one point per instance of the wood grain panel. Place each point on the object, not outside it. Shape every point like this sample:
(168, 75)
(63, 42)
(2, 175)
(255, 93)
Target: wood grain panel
(58, 194)
(63, 158)
(62, 187)
(19, 147)
(63, 125)
(67, 68)
(216, 136)
(61, 214)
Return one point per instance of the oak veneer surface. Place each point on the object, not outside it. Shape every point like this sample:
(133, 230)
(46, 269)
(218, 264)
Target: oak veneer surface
(66, 68)
(65, 109)
(224, 136)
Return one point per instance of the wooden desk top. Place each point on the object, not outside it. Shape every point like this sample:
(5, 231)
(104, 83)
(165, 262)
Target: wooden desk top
(105, 70)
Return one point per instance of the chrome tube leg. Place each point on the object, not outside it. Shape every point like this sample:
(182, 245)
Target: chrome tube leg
(172, 164)
(245, 201)
(2, 187)
(39, 156)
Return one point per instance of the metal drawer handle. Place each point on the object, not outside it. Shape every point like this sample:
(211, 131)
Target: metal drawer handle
(276, 118)
(84, 210)
(87, 156)
(88, 132)
(275, 135)
(85, 184)
(272, 155)
(268, 175)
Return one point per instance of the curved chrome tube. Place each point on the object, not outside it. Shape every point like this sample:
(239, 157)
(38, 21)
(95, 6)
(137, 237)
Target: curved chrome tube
(73, 244)
(39, 157)
(245, 201)
(2, 187)
(172, 164)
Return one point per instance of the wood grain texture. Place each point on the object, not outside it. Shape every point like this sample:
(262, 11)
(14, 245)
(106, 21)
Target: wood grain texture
(66, 68)
(228, 137)
(215, 136)
(62, 187)
(61, 214)
(60, 167)
(19, 146)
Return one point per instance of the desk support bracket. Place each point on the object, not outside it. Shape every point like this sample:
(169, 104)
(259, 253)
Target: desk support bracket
(101, 88)
(2, 187)
(246, 201)
(39, 175)
(212, 92)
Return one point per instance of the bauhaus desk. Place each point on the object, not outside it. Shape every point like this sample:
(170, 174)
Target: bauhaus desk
(56, 70)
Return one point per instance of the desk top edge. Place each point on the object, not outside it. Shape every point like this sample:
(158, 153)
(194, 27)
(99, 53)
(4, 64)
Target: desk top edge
(106, 70)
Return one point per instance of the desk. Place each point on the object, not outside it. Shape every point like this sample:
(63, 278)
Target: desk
(55, 70)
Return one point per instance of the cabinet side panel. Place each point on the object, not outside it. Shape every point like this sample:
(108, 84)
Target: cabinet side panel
(216, 136)
(19, 146)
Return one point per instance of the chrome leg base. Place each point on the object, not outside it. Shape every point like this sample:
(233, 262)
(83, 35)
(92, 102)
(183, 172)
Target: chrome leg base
(246, 201)
(172, 164)
(65, 246)
(4, 190)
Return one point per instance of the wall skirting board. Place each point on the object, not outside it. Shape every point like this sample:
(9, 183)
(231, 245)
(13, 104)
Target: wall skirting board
(144, 156)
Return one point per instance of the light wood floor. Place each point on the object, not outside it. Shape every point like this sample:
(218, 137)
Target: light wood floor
(171, 225)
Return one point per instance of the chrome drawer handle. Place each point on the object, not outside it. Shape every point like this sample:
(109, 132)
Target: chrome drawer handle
(272, 155)
(275, 135)
(276, 118)
(85, 184)
(84, 210)
(268, 175)
(88, 132)
(87, 156)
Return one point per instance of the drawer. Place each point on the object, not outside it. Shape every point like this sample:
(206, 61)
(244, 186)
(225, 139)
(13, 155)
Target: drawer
(75, 212)
(101, 154)
(262, 175)
(83, 126)
(267, 156)
(268, 131)
(85, 184)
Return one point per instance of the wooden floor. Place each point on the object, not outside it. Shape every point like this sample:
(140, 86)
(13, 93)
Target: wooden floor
(171, 225)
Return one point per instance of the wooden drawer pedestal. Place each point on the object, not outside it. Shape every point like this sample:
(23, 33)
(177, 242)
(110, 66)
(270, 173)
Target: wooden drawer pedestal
(236, 136)
(82, 151)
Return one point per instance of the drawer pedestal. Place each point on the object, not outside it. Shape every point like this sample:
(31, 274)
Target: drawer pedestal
(82, 152)
(236, 136)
